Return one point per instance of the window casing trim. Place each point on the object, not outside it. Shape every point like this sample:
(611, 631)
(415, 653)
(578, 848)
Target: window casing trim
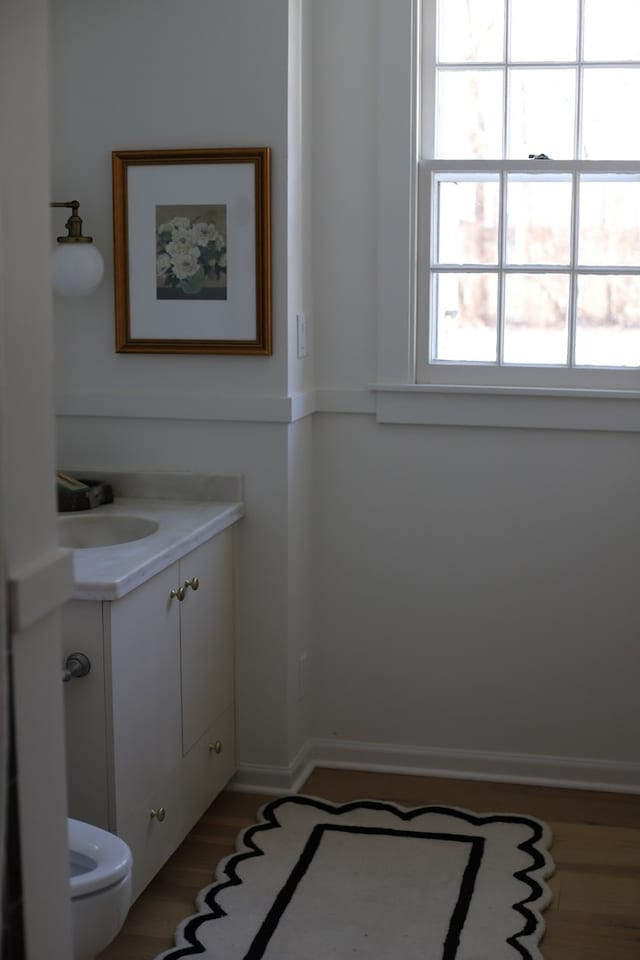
(398, 396)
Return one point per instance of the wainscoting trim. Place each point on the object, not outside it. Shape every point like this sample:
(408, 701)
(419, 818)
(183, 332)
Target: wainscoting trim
(257, 409)
(181, 406)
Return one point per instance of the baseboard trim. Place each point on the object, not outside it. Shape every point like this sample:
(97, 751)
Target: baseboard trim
(258, 778)
(549, 771)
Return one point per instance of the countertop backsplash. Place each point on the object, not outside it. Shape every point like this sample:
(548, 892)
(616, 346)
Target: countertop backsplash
(166, 485)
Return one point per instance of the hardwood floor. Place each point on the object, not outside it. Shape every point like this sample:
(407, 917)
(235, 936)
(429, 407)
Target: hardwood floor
(595, 911)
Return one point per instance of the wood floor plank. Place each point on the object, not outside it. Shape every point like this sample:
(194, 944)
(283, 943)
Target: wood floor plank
(595, 910)
(548, 803)
(608, 847)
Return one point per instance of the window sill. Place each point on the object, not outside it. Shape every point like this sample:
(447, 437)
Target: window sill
(511, 407)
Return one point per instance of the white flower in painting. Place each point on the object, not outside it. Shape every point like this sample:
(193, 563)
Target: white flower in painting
(180, 223)
(222, 261)
(163, 265)
(182, 235)
(204, 233)
(186, 263)
(180, 247)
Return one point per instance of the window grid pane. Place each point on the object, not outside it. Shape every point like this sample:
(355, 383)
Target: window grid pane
(467, 220)
(535, 319)
(527, 19)
(482, 136)
(534, 128)
(607, 133)
(608, 321)
(603, 43)
(609, 230)
(471, 30)
(465, 305)
(539, 220)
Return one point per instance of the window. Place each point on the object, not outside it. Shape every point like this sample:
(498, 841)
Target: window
(529, 194)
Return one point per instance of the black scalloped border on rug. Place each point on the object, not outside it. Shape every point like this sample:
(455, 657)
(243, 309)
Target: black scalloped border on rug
(269, 821)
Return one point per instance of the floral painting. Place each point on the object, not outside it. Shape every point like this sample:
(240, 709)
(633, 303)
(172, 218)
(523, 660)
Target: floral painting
(191, 252)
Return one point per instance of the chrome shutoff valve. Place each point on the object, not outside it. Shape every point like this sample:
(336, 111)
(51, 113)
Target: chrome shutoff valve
(77, 665)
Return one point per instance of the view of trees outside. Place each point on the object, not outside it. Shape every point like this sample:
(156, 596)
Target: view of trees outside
(541, 108)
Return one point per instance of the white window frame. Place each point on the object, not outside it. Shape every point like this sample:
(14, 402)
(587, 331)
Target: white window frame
(398, 395)
(495, 373)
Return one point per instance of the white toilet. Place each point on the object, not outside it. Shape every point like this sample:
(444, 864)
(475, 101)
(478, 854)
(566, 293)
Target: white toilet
(100, 887)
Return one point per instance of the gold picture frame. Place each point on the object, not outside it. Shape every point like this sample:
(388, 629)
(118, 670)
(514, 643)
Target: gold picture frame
(199, 222)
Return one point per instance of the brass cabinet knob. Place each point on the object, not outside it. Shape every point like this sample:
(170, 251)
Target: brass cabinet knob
(158, 814)
(215, 747)
(179, 592)
(192, 582)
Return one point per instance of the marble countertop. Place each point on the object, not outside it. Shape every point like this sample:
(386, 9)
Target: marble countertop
(106, 573)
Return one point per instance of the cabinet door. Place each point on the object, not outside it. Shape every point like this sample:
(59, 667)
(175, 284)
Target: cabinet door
(208, 767)
(207, 636)
(153, 839)
(144, 661)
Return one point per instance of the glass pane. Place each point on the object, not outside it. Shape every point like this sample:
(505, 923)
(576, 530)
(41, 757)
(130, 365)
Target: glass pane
(609, 130)
(467, 224)
(539, 221)
(536, 310)
(531, 36)
(608, 322)
(465, 309)
(471, 30)
(541, 113)
(611, 29)
(609, 222)
(469, 114)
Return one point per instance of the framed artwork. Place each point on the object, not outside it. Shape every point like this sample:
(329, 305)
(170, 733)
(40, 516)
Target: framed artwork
(192, 250)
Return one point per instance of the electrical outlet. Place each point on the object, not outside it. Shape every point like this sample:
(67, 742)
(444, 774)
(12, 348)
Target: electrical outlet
(301, 332)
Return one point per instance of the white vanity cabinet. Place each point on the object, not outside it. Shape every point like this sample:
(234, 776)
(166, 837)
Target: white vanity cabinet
(151, 728)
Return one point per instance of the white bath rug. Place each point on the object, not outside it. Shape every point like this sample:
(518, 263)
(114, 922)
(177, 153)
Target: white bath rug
(313, 880)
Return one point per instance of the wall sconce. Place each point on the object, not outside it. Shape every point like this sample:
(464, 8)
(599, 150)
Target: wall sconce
(76, 264)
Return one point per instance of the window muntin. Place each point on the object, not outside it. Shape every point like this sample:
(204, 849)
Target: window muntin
(532, 267)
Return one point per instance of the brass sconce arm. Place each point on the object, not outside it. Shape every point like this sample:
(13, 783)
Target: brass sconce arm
(73, 224)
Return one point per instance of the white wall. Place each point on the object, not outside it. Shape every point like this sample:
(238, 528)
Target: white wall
(345, 230)
(474, 588)
(160, 75)
(300, 161)
(157, 75)
(301, 628)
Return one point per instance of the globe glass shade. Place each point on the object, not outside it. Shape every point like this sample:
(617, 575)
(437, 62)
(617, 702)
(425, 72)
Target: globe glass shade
(76, 269)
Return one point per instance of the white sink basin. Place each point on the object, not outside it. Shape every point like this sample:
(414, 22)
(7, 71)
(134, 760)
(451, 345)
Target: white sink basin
(84, 531)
